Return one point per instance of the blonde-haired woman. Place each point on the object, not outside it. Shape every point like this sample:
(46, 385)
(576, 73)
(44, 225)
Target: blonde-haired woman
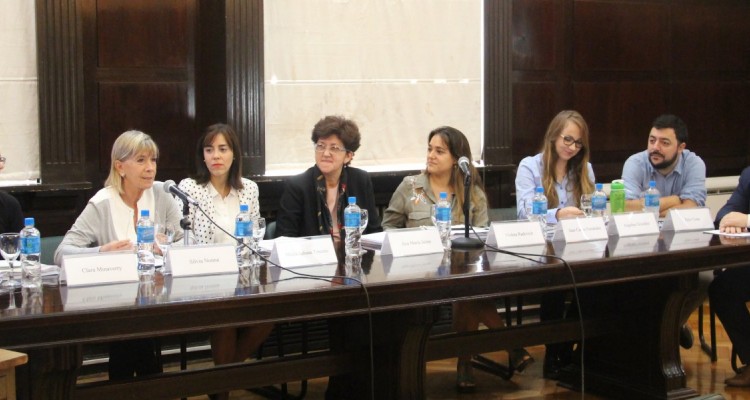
(108, 224)
(564, 171)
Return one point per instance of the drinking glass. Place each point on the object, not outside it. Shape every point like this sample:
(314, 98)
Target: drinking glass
(10, 248)
(259, 230)
(433, 214)
(586, 204)
(364, 218)
(164, 237)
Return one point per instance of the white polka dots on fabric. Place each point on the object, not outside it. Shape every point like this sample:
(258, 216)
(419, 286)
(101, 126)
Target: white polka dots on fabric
(203, 230)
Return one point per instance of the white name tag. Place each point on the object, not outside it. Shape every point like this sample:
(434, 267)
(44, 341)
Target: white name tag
(301, 252)
(574, 230)
(411, 242)
(87, 298)
(201, 260)
(633, 224)
(515, 233)
(581, 250)
(421, 266)
(686, 240)
(201, 287)
(99, 268)
(629, 245)
(688, 219)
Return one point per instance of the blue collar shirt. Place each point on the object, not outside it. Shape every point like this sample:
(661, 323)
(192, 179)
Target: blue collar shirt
(687, 180)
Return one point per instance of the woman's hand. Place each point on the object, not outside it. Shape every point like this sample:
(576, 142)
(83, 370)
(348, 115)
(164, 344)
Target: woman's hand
(117, 245)
(569, 212)
(734, 222)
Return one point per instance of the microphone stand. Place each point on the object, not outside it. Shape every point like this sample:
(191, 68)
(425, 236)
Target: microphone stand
(466, 243)
(185, 223)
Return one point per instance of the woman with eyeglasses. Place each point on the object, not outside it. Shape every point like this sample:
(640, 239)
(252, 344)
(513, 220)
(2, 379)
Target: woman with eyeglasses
(564, 171)
(313, 202)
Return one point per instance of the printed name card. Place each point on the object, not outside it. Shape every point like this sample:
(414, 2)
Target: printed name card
(688, 219)
(99, 268)
(298, 252)
(201, 260)
(633, 224)
(574, 230)
(515, 233)
(411, 242)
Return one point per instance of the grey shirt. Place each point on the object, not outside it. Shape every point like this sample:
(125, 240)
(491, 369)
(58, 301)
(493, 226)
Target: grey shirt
(106, 218)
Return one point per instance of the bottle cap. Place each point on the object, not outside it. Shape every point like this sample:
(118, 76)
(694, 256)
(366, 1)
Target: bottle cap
(618, 184)
(29, 221)
(539, 189)
(651, 184)
(144, 213)
(599, 186)
(244, 208)
(352, 199)
(443, 195)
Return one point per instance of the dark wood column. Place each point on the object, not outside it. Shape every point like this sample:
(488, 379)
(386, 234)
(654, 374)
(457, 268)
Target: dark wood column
(245, 104)
(498, 99)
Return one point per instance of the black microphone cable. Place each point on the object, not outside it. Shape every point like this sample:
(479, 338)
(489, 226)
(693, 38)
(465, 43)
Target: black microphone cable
(527, 256)
(325, 278)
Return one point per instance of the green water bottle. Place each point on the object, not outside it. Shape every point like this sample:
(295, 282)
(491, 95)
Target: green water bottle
(617, 196)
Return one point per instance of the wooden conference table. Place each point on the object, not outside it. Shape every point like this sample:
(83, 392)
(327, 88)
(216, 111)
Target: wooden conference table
(633, 291)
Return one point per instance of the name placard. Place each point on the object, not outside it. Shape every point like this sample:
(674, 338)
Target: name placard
(575, 230)
(688, 219)
(87, 298)
(301, 252)
(515, 233)
(411, 242)
(201, 260)
(633, 224)
(629, 245)
(99, 268)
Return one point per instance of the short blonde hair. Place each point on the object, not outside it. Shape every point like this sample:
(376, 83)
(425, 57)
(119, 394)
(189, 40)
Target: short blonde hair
(127, 145)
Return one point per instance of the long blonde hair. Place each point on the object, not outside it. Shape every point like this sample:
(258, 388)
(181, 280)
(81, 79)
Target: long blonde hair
(127, 145)
(576, 168)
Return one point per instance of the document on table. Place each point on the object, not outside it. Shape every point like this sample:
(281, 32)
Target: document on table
(718, 232)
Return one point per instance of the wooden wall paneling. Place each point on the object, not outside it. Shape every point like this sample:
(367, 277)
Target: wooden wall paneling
(245, 80)
(210, 66)
(534, 106)
(59, 60)
(535, 27)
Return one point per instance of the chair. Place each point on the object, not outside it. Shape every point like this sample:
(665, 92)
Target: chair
(270, 230)
(49, 244)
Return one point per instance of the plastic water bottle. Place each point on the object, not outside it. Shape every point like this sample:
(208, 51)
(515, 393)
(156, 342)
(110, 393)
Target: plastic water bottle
(31, 251)
(617, 196)
(145, 248)
(539, 206)
(599, 202)
(243, 230)
(443, 219)
(651, 199)
(352, 219)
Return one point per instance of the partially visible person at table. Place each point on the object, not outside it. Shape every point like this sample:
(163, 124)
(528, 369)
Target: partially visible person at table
(108, 223)
(730, 290)
(410, 206)
(219, 188)
(563, 170)
(680, 175)
(11, 216)
(313, 202)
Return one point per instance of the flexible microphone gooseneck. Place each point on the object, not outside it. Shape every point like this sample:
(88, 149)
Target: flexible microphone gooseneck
(466, 242)
(170, 187)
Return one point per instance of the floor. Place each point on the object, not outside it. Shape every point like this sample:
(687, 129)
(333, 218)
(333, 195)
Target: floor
(702, 376)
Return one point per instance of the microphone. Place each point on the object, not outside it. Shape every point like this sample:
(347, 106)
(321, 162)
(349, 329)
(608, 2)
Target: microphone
(170, 187)
(463, 163)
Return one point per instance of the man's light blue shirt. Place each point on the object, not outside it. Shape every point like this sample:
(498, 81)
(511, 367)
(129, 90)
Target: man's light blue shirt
(687, 179)
(529, 176)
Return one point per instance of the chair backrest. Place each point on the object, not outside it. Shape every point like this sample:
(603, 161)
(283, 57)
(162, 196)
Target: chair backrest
(502, 214)
(49, 245)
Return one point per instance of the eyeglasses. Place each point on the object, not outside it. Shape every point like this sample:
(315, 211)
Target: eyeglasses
(2, 159)
(568, 140)
(321, 148)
